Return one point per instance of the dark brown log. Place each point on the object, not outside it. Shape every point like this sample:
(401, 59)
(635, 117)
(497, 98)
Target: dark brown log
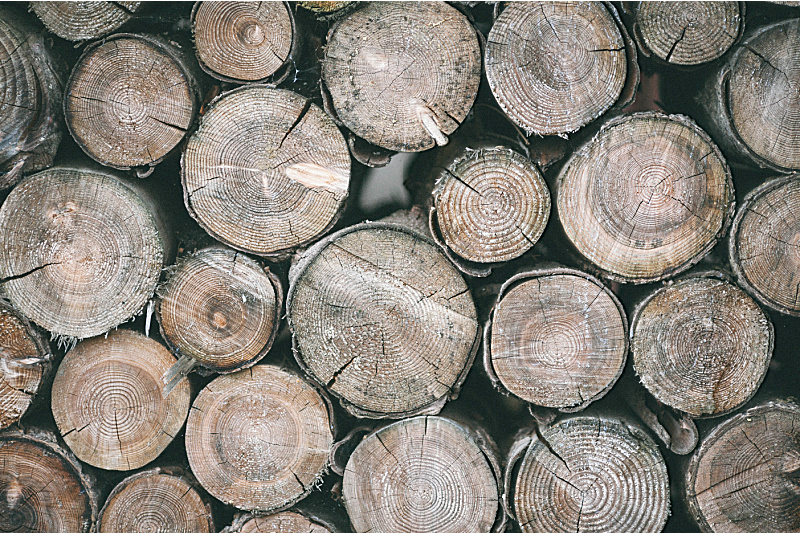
(161, 500)
(403, 75)
(84, 21)
(259, 439)
(423, 474)
(646, 198)
(383, 320)
(591, 475)
(553, 67)
(31, 123)
(743, 478)
(109, 404)
(83, 250)
(763, 244)
(130, 100)
(43, 488)
(558, 338)
(266, 172)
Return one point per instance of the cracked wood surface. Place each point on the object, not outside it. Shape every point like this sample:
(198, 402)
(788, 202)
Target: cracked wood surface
(84, 21)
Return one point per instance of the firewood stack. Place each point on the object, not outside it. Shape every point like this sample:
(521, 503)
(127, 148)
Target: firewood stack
(583, 316)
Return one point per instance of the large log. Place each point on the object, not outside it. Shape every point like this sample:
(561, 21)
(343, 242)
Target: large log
(84, 21)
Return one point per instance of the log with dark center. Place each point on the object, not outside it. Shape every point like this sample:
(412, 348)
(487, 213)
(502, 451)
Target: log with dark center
(84, 21)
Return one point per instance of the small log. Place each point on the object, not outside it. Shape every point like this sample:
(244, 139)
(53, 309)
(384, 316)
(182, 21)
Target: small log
(43, 488)
(283, 522)
(130, 100)
(86, 256)
(590, 474)
(763, 245)
(267, 171)
(244, 41)
(25, 363)
(557, 338)
(381, 318)
(646, 198)
(553, 67)
(259, 439)
(423, 474)
(30, 109)
(743, 477)
(84, 21)
(108, 400)
(403, 75)
(701, 345)
(156, 500)
(687, 33)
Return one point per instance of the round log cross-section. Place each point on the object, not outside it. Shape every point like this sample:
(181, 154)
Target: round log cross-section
(403, 75)
(129, 101)
(284, 522)
(592, 475)
(267, 171)
(558, 338)
(259, 439)
(701, 345)
(743, 477)
(84, 21)
(646, 198)
(423, 474)
(86, 255)
(108, 400)
(382, 319)
(553, 67)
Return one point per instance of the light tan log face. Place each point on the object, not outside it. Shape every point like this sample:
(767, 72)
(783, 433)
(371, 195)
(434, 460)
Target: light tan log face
(743, 478)
(82, 251)
(266, 171)
(765, 244)
(558, 339)
(592, 475)
(701, 346)
(555, 66)
(285, 522)
(246, 41)
(403, 75)
(763, 97)
(108, 400)
(420, 475)
(128, 101)
(83, 21)
(382, 319)
(646, 198)
(259, 439)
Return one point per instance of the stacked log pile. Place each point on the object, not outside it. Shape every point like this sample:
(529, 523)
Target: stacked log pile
(603, 205)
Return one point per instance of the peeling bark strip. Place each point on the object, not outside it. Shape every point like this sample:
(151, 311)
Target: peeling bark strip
(267, 171)
(492, 205)
(646, 198)
(84, 21)
(42, 487)
(687, 33)
(285, 522)
(259, 439)
(129, 101)
(108, 400)
(243, 41)
(383, 320)
(701, 345)
(30, 115)
(85, 256)
(423, 474)
(25, 361)
(743, 478)
(556, 66)
(156, 500)
(221, 308)
(403, 75)
(558, 338)
(764, 244)
(591, 474)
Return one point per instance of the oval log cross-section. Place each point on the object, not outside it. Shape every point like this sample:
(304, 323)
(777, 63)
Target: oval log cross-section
(283, 522)
(84, 21)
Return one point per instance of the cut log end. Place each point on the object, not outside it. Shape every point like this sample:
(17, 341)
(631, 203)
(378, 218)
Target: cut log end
(285, 522)
(84, 21)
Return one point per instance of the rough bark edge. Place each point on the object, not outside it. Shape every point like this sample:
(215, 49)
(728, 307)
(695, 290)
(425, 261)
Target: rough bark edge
(298, 268)
(733, 250)
(542, 272)
(331, 16)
